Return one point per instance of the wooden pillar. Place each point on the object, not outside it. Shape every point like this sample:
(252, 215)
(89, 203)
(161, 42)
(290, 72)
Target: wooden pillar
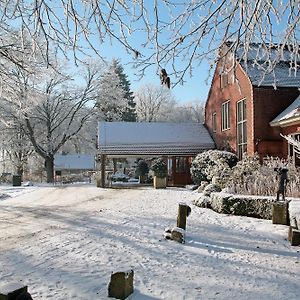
(103, 163)
(182, 215)
(280, 213)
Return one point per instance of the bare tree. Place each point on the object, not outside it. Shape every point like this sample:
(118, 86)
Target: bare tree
(185, 31)
(50, 111)
(154, 103)
(15, 145)
(189, 112)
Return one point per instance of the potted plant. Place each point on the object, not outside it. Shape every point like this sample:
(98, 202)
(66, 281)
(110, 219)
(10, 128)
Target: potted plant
(160, 170)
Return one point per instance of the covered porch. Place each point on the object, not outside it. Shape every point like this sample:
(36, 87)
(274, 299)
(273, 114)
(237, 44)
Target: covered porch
(177, 143)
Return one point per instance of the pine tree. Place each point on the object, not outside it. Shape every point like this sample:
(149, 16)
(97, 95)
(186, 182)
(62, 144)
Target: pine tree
(111, 101)
(129, 114)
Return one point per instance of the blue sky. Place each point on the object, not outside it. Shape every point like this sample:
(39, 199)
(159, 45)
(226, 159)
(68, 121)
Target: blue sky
(194, 89)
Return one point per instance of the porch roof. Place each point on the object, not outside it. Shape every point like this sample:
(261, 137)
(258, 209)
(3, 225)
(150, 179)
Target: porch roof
(152, 139)
(290, 116)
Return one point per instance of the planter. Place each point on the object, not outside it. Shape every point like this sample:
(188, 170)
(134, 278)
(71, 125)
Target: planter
(142, 178)
(159, 183)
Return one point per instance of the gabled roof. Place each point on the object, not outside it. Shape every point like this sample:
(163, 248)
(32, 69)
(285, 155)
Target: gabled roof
(290, 116)
(256, 64)
(74, 162)
(132, 139)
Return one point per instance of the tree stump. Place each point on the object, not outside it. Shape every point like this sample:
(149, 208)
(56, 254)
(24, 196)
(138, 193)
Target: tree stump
(121, 285)
(280, 214)
(14, 292)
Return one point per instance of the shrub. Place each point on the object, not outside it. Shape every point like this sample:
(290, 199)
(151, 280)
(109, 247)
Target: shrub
(213, 163)
(256, 179)
(159, 167)
(142, 168)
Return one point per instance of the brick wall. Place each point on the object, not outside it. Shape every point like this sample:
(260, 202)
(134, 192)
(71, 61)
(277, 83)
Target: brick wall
(263, 105)
(234, 92)
(268, 104)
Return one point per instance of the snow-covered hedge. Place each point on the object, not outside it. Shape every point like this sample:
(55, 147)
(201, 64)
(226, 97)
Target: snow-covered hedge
(212, 163)
(251, 206)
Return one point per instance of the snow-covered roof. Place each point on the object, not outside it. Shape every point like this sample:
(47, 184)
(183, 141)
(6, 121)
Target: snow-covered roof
(256, 64)
(290, 115)
(281, 76)
(129, 138)
(74, 162)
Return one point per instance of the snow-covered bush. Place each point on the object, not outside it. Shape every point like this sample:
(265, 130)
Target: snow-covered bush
(256, 179)
(159, 167)
(210, 188)
(244, 170)
(213, 163)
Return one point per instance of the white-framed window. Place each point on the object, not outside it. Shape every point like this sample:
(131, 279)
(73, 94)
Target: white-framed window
(225, 116)
(214, 122)
(292, 153)
(241, 128)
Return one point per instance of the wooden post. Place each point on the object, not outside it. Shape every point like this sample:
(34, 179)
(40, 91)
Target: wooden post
(182, 215)
(280, 213)
(294, 236)
(103, 161)
(121, 285)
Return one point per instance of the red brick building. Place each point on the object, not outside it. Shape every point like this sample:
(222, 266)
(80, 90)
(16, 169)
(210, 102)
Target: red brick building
(242, 102)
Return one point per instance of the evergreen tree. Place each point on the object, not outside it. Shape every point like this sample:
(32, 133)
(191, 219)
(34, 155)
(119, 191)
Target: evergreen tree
(111, 101)
(129, 114)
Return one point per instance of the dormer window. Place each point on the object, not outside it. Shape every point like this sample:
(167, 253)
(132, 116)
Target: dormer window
(223, 80)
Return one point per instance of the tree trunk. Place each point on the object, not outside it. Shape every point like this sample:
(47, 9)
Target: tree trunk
(49, 165)
(115, 165)
(20, 171)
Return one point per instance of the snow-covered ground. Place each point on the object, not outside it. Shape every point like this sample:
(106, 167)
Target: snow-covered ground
(64, 242)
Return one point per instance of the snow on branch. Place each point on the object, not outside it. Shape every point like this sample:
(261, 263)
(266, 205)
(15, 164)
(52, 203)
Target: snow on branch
(177, 35)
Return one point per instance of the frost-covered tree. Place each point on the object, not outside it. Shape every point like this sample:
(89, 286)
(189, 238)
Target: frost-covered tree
(111, 101)
(48, 107)
(15, 145)
(155, 32)
(154, 103)
(189, 112)
(129, 114)
(85, 141)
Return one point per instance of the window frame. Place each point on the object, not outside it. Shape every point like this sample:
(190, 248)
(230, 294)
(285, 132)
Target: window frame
(241, 127)
(225, 116)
